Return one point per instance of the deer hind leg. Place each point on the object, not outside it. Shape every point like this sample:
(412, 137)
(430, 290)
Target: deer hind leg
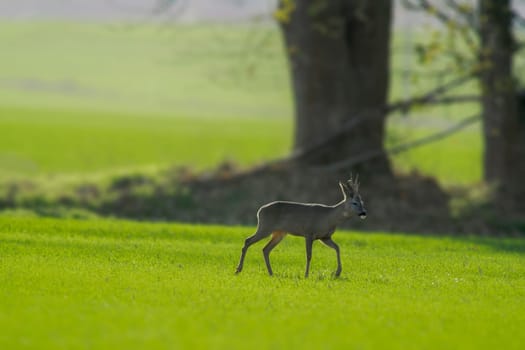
(277, 237)
(256, 237)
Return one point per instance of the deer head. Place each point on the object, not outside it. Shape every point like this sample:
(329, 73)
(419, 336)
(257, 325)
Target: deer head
(352, 199)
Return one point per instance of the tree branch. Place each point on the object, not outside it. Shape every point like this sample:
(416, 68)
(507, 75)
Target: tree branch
(455, 99)
(464, 11)
(428, 97)
(379, 113)
(402, 147)
(469, 19)
(424, 5)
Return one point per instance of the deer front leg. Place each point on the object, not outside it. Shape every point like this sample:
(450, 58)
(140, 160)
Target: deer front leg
(328, 242)
(309, 243)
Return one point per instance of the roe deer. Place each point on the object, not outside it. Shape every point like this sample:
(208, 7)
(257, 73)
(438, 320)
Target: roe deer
(311, 221)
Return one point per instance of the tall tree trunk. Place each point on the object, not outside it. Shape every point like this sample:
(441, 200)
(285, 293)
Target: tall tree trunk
(504, 130)
(339, 57)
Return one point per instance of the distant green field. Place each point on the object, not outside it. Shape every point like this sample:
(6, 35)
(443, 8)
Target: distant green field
(188, 70)
(36, 142)
(42, 141)
(104, 284)
(81, 98)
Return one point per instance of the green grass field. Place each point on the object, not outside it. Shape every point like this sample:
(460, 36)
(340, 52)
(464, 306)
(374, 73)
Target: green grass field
(104, 284)
(90, 100)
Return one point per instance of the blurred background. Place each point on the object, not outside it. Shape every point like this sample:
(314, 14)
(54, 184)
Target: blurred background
(201, 110)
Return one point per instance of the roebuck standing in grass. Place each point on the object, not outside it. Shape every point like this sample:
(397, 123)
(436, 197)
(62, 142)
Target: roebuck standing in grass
(311, 221)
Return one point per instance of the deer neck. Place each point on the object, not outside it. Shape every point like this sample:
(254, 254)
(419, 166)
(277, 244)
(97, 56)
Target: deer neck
(339, 214)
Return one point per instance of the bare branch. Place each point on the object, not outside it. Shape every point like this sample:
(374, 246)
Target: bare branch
(424, 5)
(430, 96)
(403, 147)
(367, 156)
(404, 105)
(464, 11)
(466, 29)
(455, 99)
(470, 26)
(358, 119)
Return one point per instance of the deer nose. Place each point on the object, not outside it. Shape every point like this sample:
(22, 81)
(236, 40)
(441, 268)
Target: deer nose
(362, 215)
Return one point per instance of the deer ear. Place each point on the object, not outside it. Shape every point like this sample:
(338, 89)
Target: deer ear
(346, 190)
(342, 185)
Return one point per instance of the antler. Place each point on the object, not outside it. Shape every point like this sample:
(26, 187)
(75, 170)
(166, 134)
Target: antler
(354, 184)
